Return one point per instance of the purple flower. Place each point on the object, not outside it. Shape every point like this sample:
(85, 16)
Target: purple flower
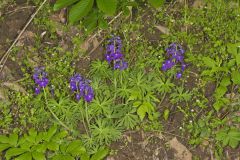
(40, 78)
(175, 53)
(168, 64)
(183, 66)
(178, 75)
(114, 54)
(81, 87)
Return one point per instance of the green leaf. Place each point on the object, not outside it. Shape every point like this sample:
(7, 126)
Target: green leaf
(53, 146)
(107, 6)
(156, 3)
(76, 148)
(63, 3)
(63, 157)
(14, 152)
(220, 91)
(4, 147)
(234, 136)
(90, 22)
(38, 156)
(236, 77)
(102, 23)
(142, 111)
(25, 156)
(79, 10)
(85, 156)
(225, 141)
(221, 135)
(41, 148)
(166, 114)
(4, 139)
(137, 103)
(100, 154)
(225, 81)
(233, 48)
(60, 136)
(209, 62)
(50, 133)
(13, 139)
(238, 59)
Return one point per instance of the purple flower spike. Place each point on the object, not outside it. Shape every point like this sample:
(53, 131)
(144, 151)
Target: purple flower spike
(81, 87)
(175, 53)
(114, 54)
(40, 78)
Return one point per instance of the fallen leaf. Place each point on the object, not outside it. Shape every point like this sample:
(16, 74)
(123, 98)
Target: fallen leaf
(27, 35)
(43, 34)
(198, 4)
(14, 86)
(6, 74)
(85, 46)
(62, 15)
(182, 153)
(163, 29)
(95, 42)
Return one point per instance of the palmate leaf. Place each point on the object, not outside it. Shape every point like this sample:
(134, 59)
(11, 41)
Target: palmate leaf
(107, 6)
(79, 10)
(63, 3)
(156, 3)
(234, 137)
(129, 120)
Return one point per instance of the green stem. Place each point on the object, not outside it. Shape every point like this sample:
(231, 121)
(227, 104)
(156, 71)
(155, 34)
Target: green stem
(162, 99)
(86, 112)
(84, 124)
(54, 115)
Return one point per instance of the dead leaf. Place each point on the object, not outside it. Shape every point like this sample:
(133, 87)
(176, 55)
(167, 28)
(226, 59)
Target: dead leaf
(43, 34)
(14, 86)
(95, 42)
(6, 74)
(85, 46)
(27, 35)
(62, 15)
(110, 158)
(162, 29)
(182, 153)
(198, 4)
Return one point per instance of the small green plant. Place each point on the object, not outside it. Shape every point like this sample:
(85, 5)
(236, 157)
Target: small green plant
(51, 144)
(229, 136)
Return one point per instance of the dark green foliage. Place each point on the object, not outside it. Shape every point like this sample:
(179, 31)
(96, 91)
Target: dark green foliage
(46, 145)
(93, 11)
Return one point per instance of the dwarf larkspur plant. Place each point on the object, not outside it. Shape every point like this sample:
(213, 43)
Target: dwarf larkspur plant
(81, 87)
(114, 54)
(175, 53)
(40, 78)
